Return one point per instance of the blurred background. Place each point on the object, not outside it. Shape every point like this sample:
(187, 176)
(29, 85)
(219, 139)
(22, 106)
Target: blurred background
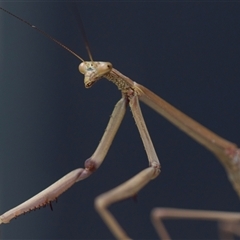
(187, 53)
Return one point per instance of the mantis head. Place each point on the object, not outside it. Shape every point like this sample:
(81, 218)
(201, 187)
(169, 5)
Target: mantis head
(93, 71)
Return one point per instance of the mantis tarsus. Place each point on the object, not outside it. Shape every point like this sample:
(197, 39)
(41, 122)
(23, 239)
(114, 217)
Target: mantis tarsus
(157, 187)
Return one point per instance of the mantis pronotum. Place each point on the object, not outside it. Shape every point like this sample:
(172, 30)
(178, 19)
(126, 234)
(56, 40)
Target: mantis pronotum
(160, 79)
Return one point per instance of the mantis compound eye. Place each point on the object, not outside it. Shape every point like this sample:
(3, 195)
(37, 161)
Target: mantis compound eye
(82, 68)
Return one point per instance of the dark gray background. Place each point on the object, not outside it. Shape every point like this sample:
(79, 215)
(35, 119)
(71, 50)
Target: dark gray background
(188, 53)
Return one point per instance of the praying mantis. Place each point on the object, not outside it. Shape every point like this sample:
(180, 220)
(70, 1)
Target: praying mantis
(160, 187)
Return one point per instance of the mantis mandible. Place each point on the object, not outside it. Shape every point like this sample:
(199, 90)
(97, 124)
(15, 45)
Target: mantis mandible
(160, 156)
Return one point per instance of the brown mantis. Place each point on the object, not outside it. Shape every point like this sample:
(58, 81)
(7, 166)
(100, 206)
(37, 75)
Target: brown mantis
(144, 165)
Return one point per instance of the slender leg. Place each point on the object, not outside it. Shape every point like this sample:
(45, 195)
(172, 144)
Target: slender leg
(158, 214)
(56, 189)
(133, 185)
(142, 128)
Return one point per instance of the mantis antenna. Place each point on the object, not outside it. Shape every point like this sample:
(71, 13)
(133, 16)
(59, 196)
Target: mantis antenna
(44, 33)
(81, 27)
